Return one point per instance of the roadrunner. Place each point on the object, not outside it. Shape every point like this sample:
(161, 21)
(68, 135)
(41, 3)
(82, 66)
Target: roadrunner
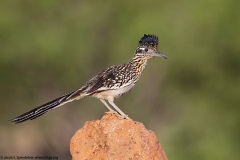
(109, 84)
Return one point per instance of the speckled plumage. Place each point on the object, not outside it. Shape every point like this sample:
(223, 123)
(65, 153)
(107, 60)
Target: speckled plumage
(109, 84)
(115, 77)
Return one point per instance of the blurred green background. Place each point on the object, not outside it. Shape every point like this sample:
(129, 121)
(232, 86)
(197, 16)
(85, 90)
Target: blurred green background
(191, 101)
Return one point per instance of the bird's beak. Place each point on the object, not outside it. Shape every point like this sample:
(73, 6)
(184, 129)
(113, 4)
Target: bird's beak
(160, 54)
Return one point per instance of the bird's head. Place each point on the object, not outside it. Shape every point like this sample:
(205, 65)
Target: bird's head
(147, 47)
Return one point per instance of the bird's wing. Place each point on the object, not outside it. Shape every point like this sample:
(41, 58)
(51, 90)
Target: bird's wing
(108, 79)
(100, 80)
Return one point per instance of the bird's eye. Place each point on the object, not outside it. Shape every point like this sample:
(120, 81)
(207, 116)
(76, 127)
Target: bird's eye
(146, 49)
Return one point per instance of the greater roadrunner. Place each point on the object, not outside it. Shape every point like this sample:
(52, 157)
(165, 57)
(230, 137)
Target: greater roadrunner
(108, 84)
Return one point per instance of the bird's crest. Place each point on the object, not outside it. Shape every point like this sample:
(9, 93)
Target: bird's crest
(149, 40)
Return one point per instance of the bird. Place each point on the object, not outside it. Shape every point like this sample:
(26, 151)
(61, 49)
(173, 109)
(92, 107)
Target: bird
(107, 85)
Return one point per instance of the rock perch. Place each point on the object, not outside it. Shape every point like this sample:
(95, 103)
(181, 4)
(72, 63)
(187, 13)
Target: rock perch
(115, 139)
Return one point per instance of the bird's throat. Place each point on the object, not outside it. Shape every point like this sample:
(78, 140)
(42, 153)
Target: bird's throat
(138, 64)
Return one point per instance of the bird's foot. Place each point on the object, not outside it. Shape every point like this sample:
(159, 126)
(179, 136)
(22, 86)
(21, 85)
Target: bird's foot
(119, 116)
(123, 117)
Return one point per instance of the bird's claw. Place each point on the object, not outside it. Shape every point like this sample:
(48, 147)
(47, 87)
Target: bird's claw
(119, 116)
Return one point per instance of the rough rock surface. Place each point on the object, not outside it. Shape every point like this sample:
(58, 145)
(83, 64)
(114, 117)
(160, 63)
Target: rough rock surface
(115, 139)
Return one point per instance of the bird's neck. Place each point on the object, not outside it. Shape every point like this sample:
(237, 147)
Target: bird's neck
(138, 63)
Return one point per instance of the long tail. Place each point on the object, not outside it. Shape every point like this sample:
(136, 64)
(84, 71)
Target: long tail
(32, 114)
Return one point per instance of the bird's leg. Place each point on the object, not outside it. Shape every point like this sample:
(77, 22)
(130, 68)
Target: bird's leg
(123, 115)
(109, 108)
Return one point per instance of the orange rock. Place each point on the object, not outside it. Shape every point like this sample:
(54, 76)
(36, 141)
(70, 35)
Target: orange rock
(115, 139)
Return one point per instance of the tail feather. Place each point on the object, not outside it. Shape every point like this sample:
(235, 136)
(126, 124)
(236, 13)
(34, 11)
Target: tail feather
(36, 112)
